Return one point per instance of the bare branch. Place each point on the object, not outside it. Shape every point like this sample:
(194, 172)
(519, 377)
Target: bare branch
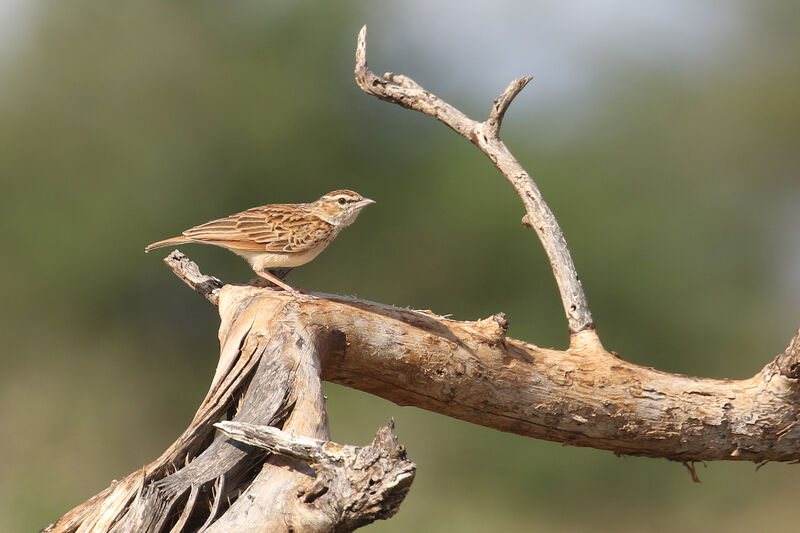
(461, 369)
(274, 440)
(308, 449)
(584, 396)
(206, 286)
(404, 91)
(275, 349)
(500, 106)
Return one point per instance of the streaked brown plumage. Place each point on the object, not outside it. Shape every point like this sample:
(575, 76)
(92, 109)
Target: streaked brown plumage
(278, 235)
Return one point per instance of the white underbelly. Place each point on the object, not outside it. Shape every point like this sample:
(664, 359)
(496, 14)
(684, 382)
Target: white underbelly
(265, 260)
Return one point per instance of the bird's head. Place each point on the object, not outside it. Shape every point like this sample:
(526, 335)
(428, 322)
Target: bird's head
(341, 208)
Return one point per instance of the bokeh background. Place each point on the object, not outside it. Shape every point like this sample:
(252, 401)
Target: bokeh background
(663, 135)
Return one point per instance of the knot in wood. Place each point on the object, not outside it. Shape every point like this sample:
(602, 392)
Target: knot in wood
(789, 361)
(526, 221)
(494, 328)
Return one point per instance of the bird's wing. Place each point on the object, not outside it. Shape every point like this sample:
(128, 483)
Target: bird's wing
(274, 228)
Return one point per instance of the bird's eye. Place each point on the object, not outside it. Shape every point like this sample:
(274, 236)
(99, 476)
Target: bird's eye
(342, 201)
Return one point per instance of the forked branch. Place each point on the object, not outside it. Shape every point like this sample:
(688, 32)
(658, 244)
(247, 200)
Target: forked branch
(275, 470)
(584, 396)
(404, 91)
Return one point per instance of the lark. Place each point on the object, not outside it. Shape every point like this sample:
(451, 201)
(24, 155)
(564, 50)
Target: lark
(278, 235)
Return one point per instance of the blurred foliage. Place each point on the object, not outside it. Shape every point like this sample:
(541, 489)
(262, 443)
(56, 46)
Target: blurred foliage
(124, 123)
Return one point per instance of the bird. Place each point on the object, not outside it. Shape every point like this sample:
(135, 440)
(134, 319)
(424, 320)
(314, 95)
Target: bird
(278, 235)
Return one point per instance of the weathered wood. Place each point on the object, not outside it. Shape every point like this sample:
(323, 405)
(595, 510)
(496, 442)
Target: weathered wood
(601, 401)
(354, 485)
(206, 286)
(276, 471)
(788, 363)
(268, 374)
(404, 91)
(584, 396)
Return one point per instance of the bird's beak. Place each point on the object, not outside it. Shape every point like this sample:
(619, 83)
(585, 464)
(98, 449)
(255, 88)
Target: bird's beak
(364, 202)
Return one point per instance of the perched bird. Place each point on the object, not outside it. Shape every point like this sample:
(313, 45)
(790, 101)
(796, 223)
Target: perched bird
(278, 235)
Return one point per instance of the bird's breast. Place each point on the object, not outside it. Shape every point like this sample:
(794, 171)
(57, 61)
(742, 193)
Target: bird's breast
(265, 260)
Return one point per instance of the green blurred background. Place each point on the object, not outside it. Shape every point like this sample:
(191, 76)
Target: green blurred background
(664, 136)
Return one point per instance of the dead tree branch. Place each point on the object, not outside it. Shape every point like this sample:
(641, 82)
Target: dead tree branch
(404, 91)
(274, 349)
(274, 470)
(358, 485)
(584, 396)
(206, 286)
(269, 375)
(595, 400)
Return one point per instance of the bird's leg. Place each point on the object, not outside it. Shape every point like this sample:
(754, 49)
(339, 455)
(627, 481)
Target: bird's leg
(266, 274)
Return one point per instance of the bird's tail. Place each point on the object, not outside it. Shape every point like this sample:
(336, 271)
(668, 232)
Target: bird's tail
(166, 242)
